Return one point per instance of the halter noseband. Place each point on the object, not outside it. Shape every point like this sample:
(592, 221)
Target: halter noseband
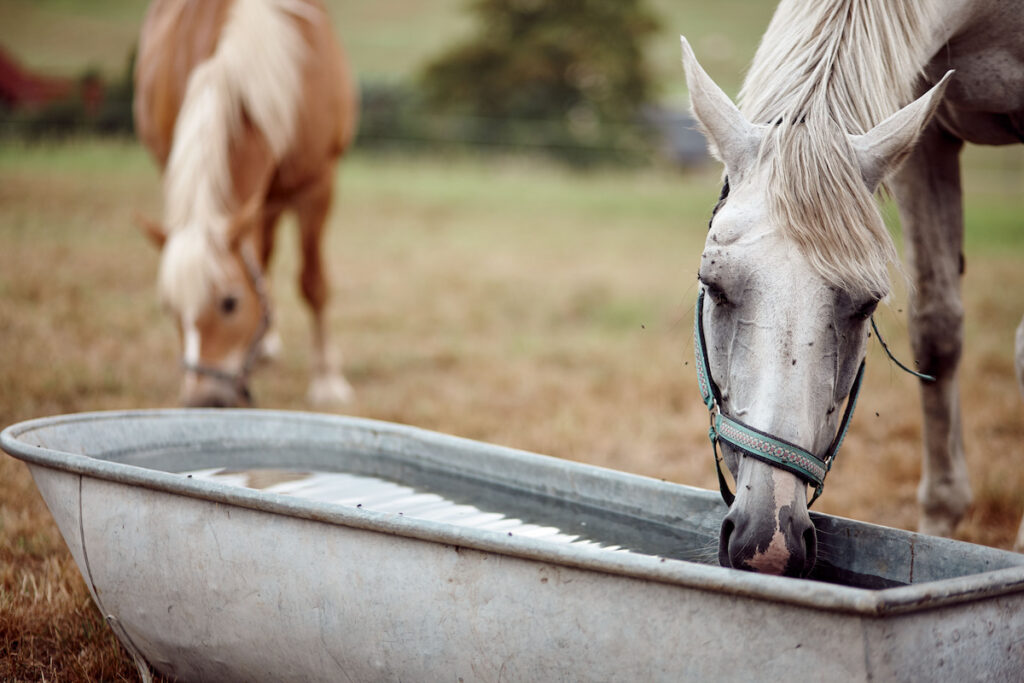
(755, 443)
(240, 380)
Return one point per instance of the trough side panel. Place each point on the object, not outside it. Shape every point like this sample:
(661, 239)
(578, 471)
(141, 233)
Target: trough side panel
(977, 641)
(209, 591)
(60, 491)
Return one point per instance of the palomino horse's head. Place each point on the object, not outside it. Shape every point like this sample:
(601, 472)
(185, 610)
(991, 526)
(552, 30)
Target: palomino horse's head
(211, 282)
(785, 311)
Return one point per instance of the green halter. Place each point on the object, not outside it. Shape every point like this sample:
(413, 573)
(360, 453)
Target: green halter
(755, 443)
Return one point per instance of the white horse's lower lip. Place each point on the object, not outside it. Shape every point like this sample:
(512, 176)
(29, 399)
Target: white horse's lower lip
(768, 529)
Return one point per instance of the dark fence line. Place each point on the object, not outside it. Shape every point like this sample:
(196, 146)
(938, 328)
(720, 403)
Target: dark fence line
(393, 118)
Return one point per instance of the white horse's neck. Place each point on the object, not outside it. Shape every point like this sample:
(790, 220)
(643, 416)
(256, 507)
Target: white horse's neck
(859, 59)
(826, 69)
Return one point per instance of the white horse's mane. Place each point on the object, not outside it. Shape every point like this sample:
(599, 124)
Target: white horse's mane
(255, 69)
(824, 69)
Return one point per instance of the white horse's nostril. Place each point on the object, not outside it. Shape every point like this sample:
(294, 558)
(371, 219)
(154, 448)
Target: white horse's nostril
(768, 529)
(723, 543)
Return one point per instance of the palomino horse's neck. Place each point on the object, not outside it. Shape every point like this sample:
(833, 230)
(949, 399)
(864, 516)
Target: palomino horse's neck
(247, 89)
(255, 73)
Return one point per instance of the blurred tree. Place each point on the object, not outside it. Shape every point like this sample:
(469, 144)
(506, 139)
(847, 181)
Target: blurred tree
(566, 75)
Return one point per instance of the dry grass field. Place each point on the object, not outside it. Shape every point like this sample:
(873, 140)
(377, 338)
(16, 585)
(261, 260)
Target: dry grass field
(504, 300)
(512, 301)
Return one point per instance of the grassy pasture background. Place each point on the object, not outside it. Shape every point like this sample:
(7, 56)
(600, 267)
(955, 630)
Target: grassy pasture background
(508, 300)
(386, 39)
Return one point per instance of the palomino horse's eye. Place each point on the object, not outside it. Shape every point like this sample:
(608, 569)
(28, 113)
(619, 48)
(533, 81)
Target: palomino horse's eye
(228, 305)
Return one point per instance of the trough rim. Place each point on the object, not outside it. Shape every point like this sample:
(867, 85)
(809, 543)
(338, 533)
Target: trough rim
(871, 603)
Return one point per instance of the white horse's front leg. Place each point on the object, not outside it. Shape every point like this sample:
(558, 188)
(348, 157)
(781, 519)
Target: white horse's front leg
(929, 198)
(1019, 356)
(1019, 365)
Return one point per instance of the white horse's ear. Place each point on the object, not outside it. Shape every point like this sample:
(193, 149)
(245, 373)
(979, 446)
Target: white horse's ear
(883, 148)
(731, 138)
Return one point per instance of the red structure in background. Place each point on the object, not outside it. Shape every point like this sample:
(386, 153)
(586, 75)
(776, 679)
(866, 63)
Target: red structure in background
(21, 88)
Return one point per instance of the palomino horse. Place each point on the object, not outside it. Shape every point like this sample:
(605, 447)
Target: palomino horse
(796, 256)
(246, 105)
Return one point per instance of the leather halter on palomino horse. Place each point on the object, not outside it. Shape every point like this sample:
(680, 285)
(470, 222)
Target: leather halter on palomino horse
(765, 447)
(240, 380)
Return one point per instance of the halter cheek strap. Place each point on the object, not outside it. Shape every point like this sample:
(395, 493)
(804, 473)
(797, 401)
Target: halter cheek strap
(240, 380)
(755, 443)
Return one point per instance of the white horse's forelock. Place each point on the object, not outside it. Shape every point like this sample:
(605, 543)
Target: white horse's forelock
(256, 68)
(824, 69)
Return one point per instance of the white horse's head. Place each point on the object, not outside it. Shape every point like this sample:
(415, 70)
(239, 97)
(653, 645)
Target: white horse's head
(795, 263)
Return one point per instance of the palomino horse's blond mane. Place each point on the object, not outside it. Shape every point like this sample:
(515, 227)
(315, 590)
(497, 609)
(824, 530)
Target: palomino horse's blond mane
(822, 70)
(255, 69)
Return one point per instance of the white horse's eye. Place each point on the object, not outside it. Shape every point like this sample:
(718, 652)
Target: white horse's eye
(717, 294)
(866, 311)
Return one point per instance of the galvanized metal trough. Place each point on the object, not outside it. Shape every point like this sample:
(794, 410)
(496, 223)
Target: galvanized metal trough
(254, 545)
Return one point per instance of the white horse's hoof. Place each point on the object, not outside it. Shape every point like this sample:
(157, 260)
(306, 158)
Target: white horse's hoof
(330, 390)
(937, 525)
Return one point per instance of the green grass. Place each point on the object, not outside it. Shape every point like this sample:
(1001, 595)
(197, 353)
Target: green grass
(64, 37)
(124, 159)
(386, 39)
(994, 186)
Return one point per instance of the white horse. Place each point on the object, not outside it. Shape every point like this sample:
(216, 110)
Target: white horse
(797, 255)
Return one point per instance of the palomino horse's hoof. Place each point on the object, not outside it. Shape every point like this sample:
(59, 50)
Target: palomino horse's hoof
(330, 390)
(270, 347)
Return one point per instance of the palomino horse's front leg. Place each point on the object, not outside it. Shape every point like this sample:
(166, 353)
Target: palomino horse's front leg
(927, 190)
(327, 385)
(270, 346)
